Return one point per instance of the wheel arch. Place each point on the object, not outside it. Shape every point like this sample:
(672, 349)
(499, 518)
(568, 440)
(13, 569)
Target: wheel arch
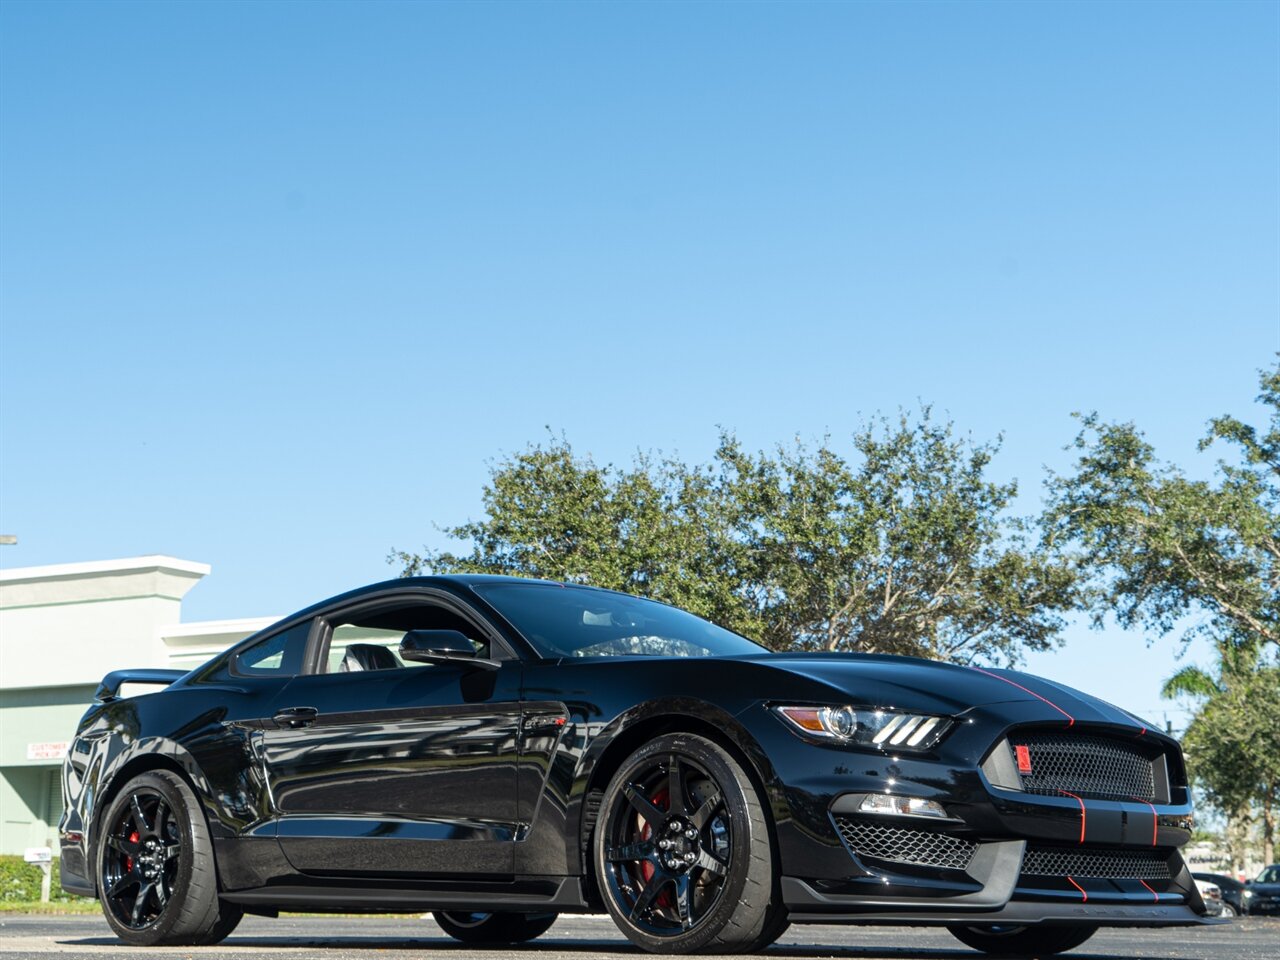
(169, 758)
(645, 723)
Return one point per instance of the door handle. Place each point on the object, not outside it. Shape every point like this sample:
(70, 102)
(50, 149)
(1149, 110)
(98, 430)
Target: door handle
(295, 717)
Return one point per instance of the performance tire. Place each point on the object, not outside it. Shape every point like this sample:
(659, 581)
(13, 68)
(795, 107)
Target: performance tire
(155, 869)
(682, 852)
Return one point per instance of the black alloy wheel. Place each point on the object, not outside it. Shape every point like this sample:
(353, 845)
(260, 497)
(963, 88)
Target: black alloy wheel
(155, 868)
(140, 864)
(682, 849)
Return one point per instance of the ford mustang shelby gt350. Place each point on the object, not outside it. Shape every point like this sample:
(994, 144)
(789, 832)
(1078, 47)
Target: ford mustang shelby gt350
(500, 751)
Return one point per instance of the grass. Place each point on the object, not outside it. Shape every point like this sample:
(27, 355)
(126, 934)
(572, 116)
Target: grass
(55, 909)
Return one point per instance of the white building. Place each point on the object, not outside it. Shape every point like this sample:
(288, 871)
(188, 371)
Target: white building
(61, 629)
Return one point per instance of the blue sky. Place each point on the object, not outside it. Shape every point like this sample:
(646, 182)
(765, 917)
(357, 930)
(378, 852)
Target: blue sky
(278, 280)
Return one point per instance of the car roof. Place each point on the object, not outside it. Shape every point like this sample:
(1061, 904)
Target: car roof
(467, 580)
(436, 580)
(446, 580)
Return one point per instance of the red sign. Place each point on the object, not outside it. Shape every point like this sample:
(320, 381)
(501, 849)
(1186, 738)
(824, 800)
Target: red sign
(1023, 754)
(53, 750)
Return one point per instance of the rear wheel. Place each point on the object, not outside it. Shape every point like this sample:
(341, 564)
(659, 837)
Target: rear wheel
(1031, 941)
(155, 869)
(494, 927)
(682, 851)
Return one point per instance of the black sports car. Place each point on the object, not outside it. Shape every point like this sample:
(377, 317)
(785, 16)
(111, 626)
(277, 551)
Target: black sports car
(502, 750)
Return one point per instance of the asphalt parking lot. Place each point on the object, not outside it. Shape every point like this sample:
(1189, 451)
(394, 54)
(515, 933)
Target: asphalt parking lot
(577, 938)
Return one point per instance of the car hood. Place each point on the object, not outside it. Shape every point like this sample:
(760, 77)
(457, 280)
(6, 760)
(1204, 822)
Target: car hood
(910, 682)
(1270, 889)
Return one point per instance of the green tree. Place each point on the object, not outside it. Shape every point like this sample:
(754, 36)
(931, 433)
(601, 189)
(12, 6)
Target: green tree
(1165, 553)
(1158, 546)
(658, 529)
(1233, 743)
(907, 548)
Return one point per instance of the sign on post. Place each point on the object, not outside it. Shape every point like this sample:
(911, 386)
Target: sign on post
(43, 858)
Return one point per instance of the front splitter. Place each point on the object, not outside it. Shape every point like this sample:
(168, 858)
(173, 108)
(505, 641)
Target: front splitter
(807, 905)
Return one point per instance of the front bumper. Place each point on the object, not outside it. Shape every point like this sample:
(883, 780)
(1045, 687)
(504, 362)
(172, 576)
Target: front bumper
(1004, 856)
(805, 904)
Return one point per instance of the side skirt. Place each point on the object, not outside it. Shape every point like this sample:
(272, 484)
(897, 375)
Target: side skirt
(530, 895)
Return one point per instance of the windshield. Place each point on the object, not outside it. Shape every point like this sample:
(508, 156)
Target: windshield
(567, 621)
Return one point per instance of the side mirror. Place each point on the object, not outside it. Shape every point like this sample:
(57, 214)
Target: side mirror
(442, 646)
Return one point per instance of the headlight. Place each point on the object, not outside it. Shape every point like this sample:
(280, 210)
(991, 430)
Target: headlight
(883, 729)
(1247, 894)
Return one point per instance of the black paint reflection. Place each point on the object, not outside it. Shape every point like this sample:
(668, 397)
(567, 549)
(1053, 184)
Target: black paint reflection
(392, 789)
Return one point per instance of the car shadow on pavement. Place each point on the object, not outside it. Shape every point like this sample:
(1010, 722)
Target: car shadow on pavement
(552, 945)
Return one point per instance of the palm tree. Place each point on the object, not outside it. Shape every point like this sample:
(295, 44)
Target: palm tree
(1233, 741)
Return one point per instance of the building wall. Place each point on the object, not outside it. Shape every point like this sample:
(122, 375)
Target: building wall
(62, 628)
(28, 797)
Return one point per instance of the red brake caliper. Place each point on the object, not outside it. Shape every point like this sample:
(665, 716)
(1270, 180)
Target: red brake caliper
(128, 861)
(659, 800)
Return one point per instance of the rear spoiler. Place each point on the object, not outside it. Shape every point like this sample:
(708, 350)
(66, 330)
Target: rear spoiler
(109, 688)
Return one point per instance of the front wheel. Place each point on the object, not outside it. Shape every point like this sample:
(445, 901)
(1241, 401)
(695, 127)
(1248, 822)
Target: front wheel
(156, 875)
(682, 852)
(1228, 911)
(1023, 941)
(494, 927)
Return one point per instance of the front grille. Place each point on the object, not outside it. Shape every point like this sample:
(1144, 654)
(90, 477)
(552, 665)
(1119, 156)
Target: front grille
(901, 845)
(1097, 767)
(1101, 864)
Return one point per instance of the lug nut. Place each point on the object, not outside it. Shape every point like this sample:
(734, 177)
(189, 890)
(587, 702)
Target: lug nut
(664, 844)
(689, 857)
(691, 833)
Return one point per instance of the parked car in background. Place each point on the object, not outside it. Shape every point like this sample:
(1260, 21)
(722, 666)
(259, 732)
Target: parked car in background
(1262, 896)
(1211, 893)
(1232, 890)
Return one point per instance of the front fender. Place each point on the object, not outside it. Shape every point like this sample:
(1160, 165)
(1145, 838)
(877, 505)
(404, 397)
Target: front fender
(217, 758)
(99, 764)
(571, 767)
(622, 730)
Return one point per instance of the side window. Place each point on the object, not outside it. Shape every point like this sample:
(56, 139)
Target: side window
(279, 655)
(371, 640)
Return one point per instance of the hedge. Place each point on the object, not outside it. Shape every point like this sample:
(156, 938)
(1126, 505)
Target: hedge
(20, 881)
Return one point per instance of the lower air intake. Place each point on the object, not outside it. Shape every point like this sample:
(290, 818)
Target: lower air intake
(1100, 864)
(924, 848)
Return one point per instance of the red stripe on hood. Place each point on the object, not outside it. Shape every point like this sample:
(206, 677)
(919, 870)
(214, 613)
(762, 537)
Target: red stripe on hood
(1070, 719)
